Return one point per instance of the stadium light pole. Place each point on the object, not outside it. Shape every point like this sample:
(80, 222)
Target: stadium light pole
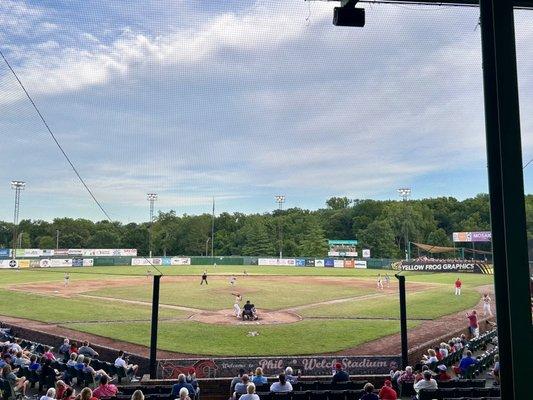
(151, 197)
(17, 186)
(404, 194)
(280, 199)
(57, 239)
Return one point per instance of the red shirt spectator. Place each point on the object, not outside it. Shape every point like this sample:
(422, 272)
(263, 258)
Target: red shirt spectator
(442, 375)
(105, 389)
(387, 392)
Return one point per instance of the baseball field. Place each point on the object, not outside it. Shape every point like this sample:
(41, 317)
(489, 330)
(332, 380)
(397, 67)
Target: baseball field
(301, 310)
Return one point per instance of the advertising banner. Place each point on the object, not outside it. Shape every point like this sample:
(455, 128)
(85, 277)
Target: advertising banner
(61, 252)
(267, 261)
(312, 365)
(61, 262)
(348, 263)
(309, 263)
(44, 263)
(366, 253)
(482, 236)
(35, 263)
(180, 261)
(75, 252)
(319, 263)
(8, 263)
(342, 253)
(77, 262)
(359, 264)
(146, 261)
(88, 262)
(338, 263)
(329, 262)
(445, 266)
(24, 263)
(28, 252)
(5, 252)
(287, 262)
(300, 262)
(47, 253)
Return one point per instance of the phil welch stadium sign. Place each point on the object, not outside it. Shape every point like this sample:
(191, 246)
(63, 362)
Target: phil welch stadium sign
(479, 267)
(312, 365)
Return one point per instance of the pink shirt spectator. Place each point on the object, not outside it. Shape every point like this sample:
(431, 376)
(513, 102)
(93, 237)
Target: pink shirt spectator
(49, 355)
(107, 390)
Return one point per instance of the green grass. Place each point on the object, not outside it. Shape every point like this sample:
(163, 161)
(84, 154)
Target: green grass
(468, 279)
(58, 309)
(306, 337)
(422, 305)
(266, 292)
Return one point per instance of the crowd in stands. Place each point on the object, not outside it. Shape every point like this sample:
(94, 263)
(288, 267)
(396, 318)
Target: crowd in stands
(57, 374)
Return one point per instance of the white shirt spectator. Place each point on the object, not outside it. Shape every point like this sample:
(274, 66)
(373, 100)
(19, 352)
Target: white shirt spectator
(277, 387)
(120, 362)
(425, 384)
(252, 396)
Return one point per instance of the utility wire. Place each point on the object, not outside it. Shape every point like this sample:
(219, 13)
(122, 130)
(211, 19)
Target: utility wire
(54, 138)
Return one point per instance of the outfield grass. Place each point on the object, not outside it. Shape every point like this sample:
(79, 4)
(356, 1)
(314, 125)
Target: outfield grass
(429, 304)
(58, 309)
(264, 291)
(305, 337)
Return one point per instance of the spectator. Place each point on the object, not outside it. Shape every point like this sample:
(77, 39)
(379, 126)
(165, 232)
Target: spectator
(191, 378)
(290, 377)
(340, 374)
(281, 386)
(137, 395)
(427, 383)
(394, 373)
(87, 350)
(443, 350)
(387, 392)
(64, 349)
(50, 395)
(72, 360)
(465, 363)
(79, 362)
(258, 378)
(19, 385)
(48, 374)
(463, 340)
(49, 355)
(240, 387)
(183, 394)
(129, 369)
(182, 383)
(432, 358)
(34, 365)
(250, 393)
(20, 360)
(97, 375)
(86, 394)
(496, 370)
(73, 348)
(236, 380)
(105, 389)
(69, 394)
(368, 392)
(407, 376)
(420, 372)
(6, 360)
(60, 389)
(473, 326)
(442, 374)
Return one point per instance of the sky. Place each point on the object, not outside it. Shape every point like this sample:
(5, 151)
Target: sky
(241, 101)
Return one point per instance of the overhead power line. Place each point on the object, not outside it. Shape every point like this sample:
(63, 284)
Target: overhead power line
(54, 138)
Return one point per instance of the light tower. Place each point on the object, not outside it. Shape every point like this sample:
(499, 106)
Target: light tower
(404, 194)
(151, 197)
(17, 186)
(280, 199)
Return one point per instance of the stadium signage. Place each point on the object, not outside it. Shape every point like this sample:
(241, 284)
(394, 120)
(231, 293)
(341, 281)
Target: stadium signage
(314, 365)
(445, 266)
(483, 236)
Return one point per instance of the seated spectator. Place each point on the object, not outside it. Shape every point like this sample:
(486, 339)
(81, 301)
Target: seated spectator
(340, 374)
(50, 395)
(463, 340)
(496, 370)
(73, 348)
(72, 360)
(258, 378)
(250, 393)
(281, 386)
(182, 383)
(432, 358)
(368, 392)
(387, 392)
(443, 350)
(60, 389)
(79, 362)
(69, 394)
(87, 350)
(183, 394)
(6, 360)
(34, 365)
(407, 376)
(21, 360)
(48, 374)
(241, 387)
(129, 369)
(427, 383)
(236, 380)
(49, 355)
(64, 349)
(105, 389)
(394, 373)
(20, 385)
(465, 363)
(191, 379)
(86, 394)
(442, 373)
(137, 395)
(290, 377)
(97, 375)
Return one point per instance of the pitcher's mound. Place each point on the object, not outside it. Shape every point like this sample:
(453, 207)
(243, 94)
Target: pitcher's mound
(226, 317)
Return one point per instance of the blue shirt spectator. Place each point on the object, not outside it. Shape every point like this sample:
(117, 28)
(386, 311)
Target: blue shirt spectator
(466, 362)
(182, 383)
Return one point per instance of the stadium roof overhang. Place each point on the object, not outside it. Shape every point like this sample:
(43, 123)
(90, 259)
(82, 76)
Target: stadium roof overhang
(506, 181)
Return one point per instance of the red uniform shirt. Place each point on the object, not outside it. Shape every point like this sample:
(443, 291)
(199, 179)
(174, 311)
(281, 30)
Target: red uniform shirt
(458, 283)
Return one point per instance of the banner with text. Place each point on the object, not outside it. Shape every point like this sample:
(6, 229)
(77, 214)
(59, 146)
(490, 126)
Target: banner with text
(483, 236)
(180, 261)
(444, 266)
(313, 365)
(146, 261)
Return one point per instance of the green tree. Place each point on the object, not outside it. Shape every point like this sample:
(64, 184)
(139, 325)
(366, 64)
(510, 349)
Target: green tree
(46, 242)
(380, 239)
(314, 243)
(338, 203)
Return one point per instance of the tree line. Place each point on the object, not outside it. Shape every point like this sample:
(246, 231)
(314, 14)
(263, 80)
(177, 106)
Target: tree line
(381, 226)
